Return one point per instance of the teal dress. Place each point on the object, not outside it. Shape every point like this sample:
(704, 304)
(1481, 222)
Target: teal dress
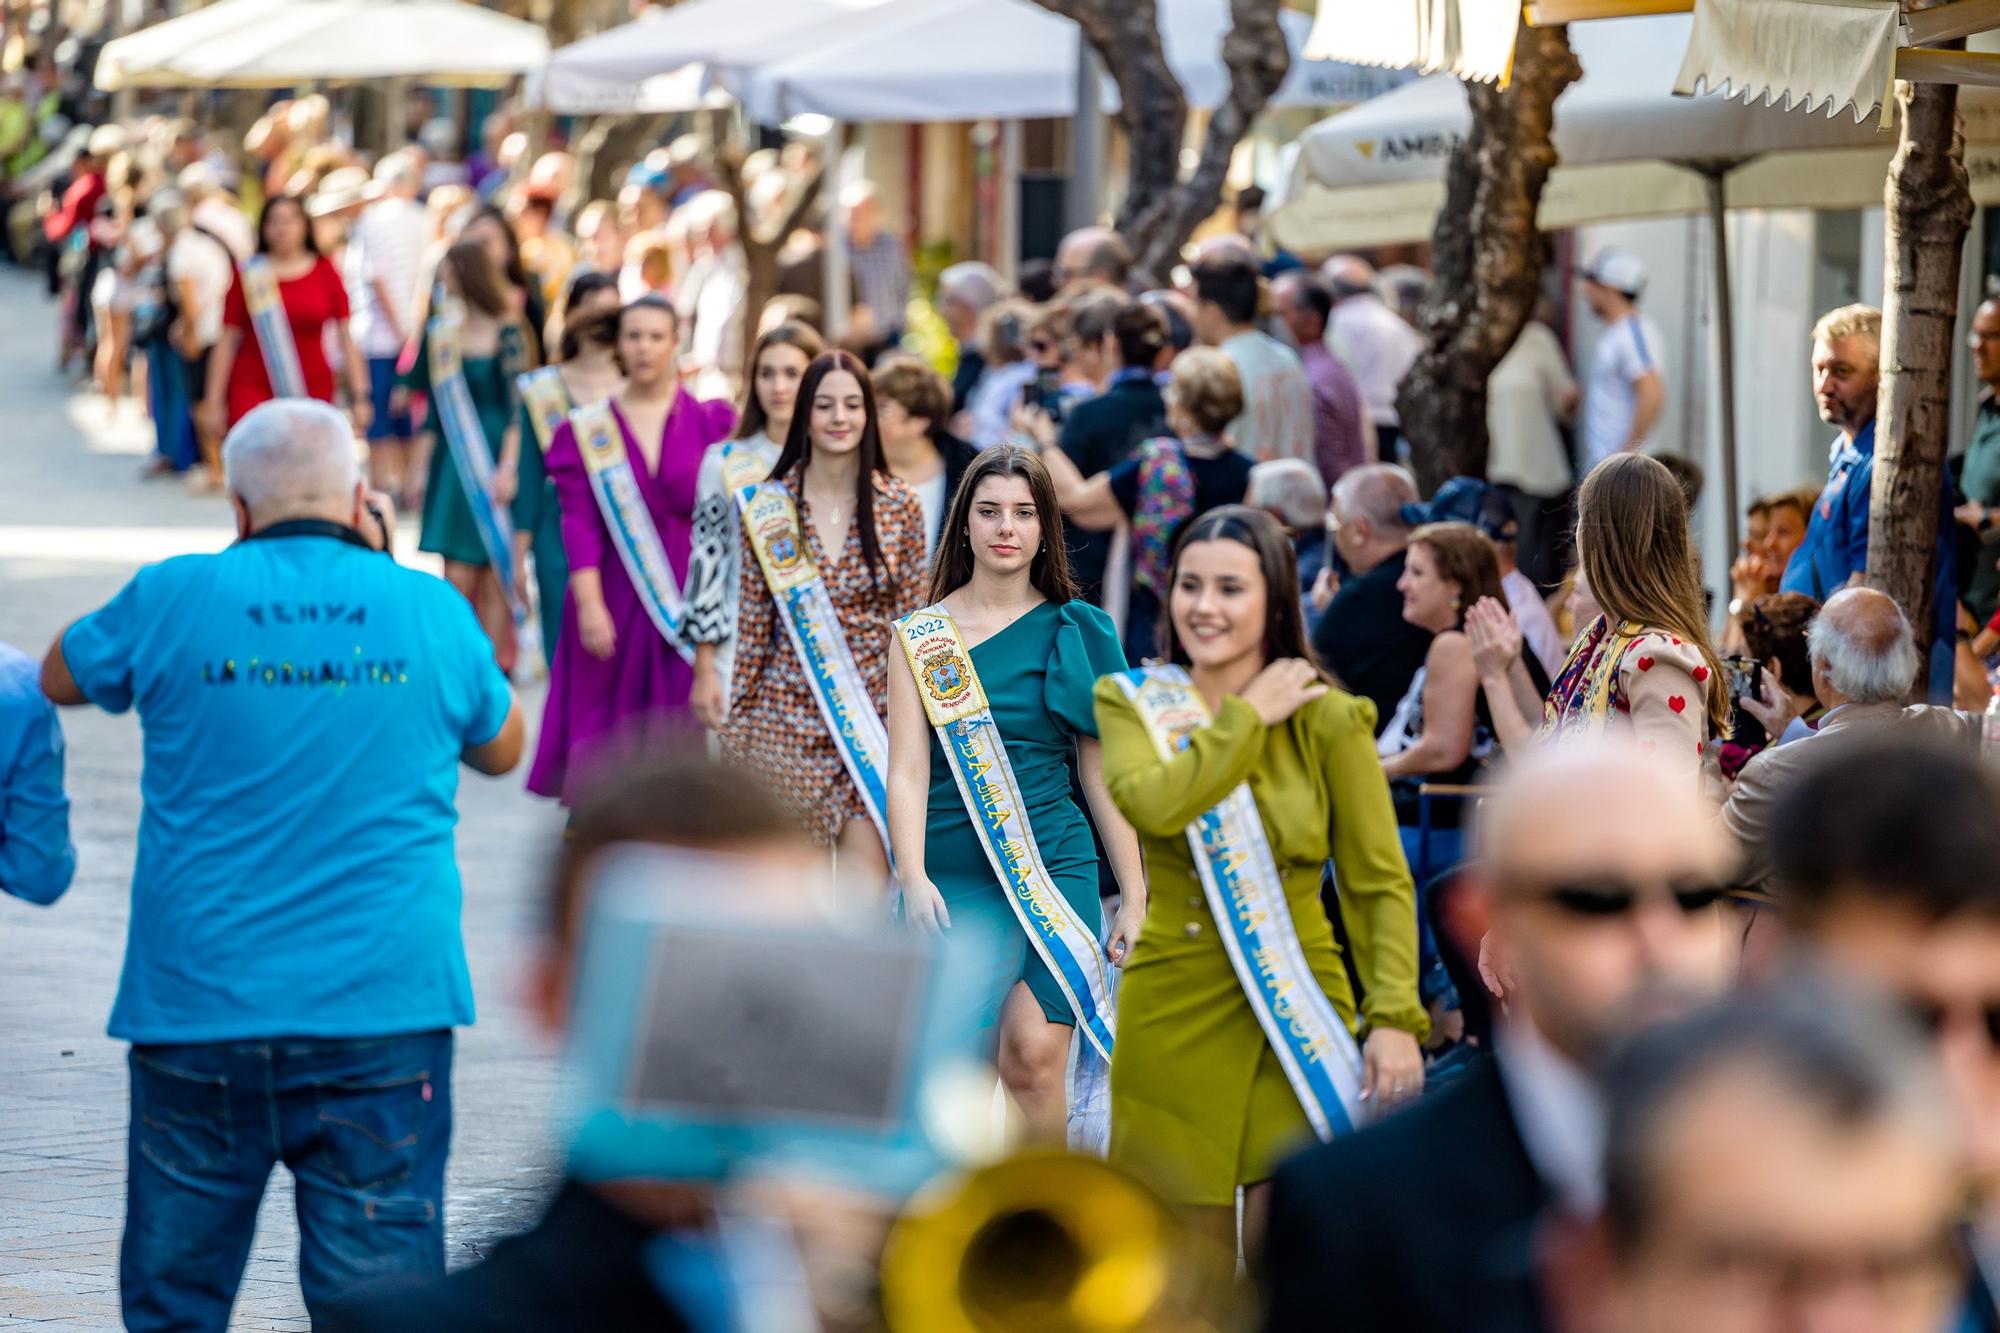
(1038, 674)
(536, 513)
(448, 527)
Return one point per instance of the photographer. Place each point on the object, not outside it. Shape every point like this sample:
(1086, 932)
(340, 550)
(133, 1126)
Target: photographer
(1771, 687)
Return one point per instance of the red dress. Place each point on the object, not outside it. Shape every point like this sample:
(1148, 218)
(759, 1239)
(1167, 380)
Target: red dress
(310, 301)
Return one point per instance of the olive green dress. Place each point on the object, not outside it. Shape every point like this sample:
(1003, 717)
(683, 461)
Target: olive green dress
(448, 527)
(1199, 1103)
(536, 513)
(1038, 674)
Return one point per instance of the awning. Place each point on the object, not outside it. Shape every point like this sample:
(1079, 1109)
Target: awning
(1473, 39)
(1835, 55)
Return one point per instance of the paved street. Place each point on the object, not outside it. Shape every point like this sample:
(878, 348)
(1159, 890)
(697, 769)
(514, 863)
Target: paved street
(75, 519)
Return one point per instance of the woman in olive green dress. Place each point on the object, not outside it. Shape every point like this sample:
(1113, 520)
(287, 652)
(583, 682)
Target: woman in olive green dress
(1199, 1101)
(493, 348)
(1002, 575)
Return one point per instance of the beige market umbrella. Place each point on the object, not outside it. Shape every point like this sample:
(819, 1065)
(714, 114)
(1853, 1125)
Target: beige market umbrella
(282, 43)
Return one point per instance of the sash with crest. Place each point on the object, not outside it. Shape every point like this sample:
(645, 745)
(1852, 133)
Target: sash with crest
(471, 454)
(547, 401)
(273, 327)
(1245, 894)
(623, 507)
(771, 522)
(955, 703)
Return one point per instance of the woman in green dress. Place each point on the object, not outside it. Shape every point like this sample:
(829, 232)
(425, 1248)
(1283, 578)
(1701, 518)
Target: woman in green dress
(1199, 1101)
(586, 363)
(494, 348)
(1002, 574)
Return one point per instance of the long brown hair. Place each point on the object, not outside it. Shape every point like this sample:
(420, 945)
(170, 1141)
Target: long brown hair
(1632, 535)
(480, 284)
(1284, 613)
(752, 419)
(798, 445)
(1463, 555)
(951, 568)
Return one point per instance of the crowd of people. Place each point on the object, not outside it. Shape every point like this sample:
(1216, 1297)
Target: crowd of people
(1448, 832)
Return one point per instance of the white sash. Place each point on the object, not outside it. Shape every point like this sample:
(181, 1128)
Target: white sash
(273, 328)
(547, 400)
(623, 507)
(1247, 898)
(451, 400)
(955, 703)
(771, 522)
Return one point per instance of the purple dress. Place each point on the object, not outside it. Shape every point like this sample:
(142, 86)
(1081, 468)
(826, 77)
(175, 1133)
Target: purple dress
(598, 709)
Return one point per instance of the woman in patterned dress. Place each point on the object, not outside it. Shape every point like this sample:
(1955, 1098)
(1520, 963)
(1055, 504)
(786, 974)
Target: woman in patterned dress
(777, 364)
(864, 531)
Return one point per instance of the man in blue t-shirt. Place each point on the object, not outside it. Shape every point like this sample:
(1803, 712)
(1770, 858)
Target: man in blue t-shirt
(294, 965)
(1846, 357)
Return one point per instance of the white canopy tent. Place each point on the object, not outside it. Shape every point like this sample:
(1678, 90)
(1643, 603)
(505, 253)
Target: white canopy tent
(281, 43)
(1629, 148)
(931, 60)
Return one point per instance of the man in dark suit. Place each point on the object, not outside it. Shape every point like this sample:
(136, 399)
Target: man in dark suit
(1597, 886)
(1362, 637)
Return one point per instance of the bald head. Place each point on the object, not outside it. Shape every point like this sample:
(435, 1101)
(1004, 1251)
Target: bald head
(1862, 650)
(292, 458)
(1566, 807)
(1096, 255)
(1348, 275)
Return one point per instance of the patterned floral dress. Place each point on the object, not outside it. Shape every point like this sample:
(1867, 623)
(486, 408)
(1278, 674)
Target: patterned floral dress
(1644, 682)
(774, 726)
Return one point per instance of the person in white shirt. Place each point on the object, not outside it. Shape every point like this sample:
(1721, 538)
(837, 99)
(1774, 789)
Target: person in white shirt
(385, 254)
(1277, 420)
(710, 297)
(1529, 396)
(1627, 389)
(214, 211)
(199, 272)
(1374, 342)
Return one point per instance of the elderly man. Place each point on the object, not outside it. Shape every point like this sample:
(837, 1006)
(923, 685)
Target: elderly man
(1846, 356)
(1373, 342)
(1884, 859)
(1864, 663)
(294, 967)
(1599, 881)
(384, 257)
(1362, 636)
(1343, 432)
(1781, 1161)
(1092, 257)
(881, 264)
(965, 292)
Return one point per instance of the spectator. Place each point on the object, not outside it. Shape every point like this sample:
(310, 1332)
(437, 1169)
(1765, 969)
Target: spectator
(1595, 872)
(1846, 358)
(37, 858)
(1864, 662)
(1775, 638)
(965, 292)
(1086, 365)
(1687, 475)
(1105, 431)
(1837, 1213)
(881, 266)
(1277, 420)
(1288, 490)
(1362, 637)
(1162, 484)
(1529, 397)
(600, 238)
(1627, 389)
(215, 211)
(1003, 342)
(1088, 257)
(914, 404)
(1883, 861)
(275, 898)
(1979, 479)
(1374, 343)
(68, 229)
(1343, 432)
(710, 299)
(685, 164)
(1469, 500)
(1178, 311)
(442, 159)
(384, 256)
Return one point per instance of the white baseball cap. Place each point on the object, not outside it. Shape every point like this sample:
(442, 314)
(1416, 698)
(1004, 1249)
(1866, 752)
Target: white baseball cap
(1620, 270)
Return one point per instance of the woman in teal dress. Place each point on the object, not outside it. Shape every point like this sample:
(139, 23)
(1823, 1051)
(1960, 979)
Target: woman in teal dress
(1002, 575)
(587, 365)
(493, 347)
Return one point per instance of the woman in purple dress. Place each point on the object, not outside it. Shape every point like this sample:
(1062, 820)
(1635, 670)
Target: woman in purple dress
(615, 684)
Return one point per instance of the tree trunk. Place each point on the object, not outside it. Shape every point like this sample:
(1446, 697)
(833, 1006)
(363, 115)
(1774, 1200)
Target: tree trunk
(1160, 210)
(761, 245)
(1488, 256)
(1929, 207)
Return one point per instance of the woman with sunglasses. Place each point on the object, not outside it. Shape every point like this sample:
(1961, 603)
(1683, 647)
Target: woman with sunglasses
(1242, 750)
(1646, 664)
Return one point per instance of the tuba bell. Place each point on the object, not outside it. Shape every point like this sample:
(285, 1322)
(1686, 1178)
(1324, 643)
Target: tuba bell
(1046, 1242)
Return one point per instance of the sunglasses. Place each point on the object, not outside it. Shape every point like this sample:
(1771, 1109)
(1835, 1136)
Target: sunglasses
(1613, 898)
(1932, 1016)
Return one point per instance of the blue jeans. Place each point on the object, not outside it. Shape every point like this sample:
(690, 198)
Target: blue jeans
(364, 1126)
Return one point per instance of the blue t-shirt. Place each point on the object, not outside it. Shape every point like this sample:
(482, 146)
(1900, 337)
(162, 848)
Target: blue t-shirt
(304, 703)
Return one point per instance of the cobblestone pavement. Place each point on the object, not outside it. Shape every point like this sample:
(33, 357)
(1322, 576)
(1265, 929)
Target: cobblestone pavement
(76, 519)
